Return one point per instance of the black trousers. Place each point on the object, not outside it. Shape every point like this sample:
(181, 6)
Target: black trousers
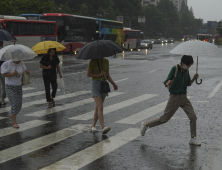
(47, 81)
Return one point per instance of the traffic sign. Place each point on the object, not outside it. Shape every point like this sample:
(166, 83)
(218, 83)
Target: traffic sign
(212, 23)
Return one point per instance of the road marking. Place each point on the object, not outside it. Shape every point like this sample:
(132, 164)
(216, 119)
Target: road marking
(2, 118)
(22, 127)
(142, 61)
(27, 88)
(138, 117)
(153, 71)
(67, 106)
(200, 101)
(121, 80)
(178, 118)
(86, 71)
(215, 90)
(36, 144)
(92, 153)
(32, 94)
(7, 109)
(115, 107)
(145, 114)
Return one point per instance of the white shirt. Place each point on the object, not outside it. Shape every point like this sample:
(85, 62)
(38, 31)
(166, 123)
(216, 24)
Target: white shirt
(10, 67)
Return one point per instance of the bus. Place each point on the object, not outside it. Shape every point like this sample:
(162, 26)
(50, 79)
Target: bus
(132, 39)
(75, 31)
(28, 32)
(187, 37)
(110, 30)
(31, 16)
(205, 37)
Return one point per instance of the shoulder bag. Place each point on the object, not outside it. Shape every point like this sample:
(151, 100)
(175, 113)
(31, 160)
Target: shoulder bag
(25, 78)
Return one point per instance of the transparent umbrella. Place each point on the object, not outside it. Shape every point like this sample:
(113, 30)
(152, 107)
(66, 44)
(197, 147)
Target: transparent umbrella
(197, 48)
(16, 52)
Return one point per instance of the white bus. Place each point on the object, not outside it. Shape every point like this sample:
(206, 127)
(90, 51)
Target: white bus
(28, 32)
(132, 39)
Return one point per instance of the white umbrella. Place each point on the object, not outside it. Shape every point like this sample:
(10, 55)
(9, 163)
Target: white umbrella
(197, 48)
(16, 52)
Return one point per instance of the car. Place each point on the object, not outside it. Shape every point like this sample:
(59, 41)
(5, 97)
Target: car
(165, 41)
(162, 41)
(146, 44)
(157, 41)
(170, 40)
(152, 40)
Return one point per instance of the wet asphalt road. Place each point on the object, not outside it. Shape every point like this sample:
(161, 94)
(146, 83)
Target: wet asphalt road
(60, 138)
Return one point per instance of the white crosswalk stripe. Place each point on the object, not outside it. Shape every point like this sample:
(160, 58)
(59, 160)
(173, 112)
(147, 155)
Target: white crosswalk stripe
(27, 88)
(36, 144)
(145, 114)
(67, 106)
(22, 127)
(32, 94)
(42, 101)
(83, 158)
(116, 106)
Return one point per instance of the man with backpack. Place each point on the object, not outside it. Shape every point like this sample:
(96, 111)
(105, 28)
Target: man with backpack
(177, 82)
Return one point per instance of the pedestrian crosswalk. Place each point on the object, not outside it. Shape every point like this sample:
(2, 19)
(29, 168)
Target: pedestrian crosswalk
(75, 159)
(115, 107)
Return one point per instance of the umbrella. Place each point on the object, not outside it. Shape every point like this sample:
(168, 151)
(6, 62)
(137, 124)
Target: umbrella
(43, 47)
(98, 50)
(196, 48)
(16, 52)
(6, 36)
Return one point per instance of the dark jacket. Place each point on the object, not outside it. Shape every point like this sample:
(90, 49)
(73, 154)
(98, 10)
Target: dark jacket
(180, 83)
(46, 62)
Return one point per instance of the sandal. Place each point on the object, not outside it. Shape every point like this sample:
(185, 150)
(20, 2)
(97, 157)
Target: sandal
(53, 102)
(50, 105)
(15, 126)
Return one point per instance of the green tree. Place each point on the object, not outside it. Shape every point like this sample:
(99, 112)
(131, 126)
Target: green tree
(32, 6)
(6, 7)
(170, 14)
(155, 22)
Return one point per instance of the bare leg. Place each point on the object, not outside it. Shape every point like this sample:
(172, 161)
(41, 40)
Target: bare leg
(96, 114)
(99, 111)
(14, 123)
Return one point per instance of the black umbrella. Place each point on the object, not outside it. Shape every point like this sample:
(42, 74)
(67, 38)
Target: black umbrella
(6, 36)
(98, 50)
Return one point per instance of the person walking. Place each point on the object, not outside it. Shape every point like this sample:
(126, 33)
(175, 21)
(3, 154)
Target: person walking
(94, 72)
(13, 71)
(50, 64)
(2, 87)
(178, 98)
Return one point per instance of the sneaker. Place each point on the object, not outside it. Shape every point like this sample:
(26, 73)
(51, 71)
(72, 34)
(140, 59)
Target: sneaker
(143, 129)
(193, 141)
(3, 102)
(106, 130)
(93, 129)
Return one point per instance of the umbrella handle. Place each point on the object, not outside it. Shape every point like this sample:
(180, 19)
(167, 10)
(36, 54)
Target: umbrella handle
(200, 82)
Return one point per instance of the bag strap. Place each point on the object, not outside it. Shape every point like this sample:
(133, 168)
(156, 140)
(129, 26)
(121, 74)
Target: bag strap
(100, 69)
(175, 74)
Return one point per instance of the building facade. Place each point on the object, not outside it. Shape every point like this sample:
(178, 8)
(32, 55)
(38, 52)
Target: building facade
(177, 3)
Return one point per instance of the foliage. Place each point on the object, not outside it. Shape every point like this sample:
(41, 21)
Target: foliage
(163, 18)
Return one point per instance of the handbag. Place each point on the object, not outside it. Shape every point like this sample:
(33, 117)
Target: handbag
(104, 84)
(25, 78)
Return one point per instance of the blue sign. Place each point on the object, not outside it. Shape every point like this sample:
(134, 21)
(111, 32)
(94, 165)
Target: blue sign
(209, 23)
